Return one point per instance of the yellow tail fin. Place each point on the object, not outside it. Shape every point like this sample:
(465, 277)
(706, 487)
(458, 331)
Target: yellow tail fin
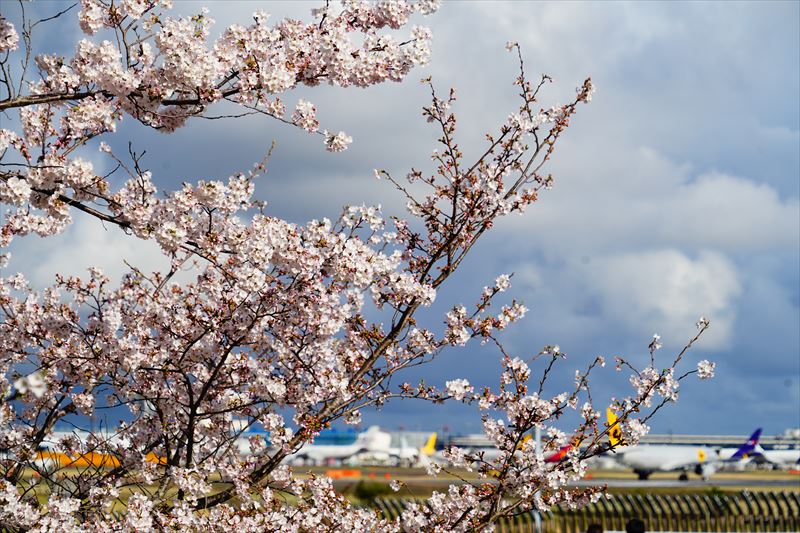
(614, 431)
(430, 446)
(525, 439)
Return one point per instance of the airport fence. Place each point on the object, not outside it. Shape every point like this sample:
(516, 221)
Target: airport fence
(719, 511)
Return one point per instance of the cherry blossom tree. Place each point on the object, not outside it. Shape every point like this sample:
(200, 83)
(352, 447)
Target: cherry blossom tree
(272, 331)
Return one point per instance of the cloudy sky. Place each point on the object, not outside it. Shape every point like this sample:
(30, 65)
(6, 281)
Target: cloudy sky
(676, 190)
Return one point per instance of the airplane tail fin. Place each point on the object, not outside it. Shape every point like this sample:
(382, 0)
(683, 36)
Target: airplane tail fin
(747, 449)
(558, 456)
(561, 454)
(614, 431)
(430, 445)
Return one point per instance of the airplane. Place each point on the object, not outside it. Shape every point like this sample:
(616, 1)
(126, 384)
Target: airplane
(403, 455)
(785, 458)
(371, 440)
(560, 455)
(562, 452)
(644, 459)
(492, 453)
(489, 453)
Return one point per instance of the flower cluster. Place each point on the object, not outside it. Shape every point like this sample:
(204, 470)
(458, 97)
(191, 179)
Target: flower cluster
(162, 71)
(705, 369)
(338, 142)
(459, 388)
(9, 39)
(457, 333)
(649, 381)
(305, 116)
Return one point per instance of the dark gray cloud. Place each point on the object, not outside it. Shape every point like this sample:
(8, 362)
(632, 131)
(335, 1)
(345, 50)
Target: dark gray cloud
(676, 195)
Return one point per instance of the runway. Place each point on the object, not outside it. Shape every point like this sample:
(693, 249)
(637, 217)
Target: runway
(692, 483)
(787, 484)
(611, 479)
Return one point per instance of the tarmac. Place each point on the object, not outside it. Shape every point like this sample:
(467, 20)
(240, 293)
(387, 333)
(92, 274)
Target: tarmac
(758, 480)
(692, 483)
(786, 484)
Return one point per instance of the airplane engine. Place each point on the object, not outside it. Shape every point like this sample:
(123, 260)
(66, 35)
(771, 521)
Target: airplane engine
(705, 470)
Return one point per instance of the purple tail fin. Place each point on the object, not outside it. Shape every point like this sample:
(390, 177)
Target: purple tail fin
(748, 447)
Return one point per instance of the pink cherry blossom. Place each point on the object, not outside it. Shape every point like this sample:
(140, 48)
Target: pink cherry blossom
(9, 39)
(705, 369)
(259, 322)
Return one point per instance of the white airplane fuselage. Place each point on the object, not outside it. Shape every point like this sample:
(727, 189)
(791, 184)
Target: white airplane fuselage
(782, 458)
(390, 456)
(647, 458)
(372, 440)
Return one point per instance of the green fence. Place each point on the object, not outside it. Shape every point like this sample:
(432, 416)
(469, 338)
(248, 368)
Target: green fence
(728, 511)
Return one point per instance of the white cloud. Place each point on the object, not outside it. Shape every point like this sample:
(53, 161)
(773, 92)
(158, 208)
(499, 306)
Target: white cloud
(647, 200)
(730, 213)
(85, 243)
(577, 33)
(667, 291)
(634, 294)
